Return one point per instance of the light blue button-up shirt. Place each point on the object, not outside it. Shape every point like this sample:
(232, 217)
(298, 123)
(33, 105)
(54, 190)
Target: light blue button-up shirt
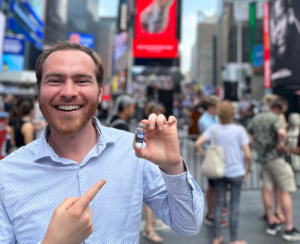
(205, 121)
(34, 181)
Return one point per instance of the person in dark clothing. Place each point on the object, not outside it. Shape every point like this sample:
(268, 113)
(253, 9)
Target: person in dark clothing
(9, 103)
(21, 127)
(123, 110)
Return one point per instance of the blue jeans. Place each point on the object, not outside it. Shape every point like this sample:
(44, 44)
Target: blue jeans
(235, 189)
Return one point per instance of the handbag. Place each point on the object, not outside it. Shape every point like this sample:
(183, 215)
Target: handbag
(213, 163)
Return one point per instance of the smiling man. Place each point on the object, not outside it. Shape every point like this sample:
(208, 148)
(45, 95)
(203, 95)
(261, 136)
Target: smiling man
(50, 190)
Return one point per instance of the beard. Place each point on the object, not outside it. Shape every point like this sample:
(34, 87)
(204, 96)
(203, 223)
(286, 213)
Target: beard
(68, 125)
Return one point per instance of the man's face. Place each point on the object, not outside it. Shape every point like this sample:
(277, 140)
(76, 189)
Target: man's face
(69, 94)
(279, 25)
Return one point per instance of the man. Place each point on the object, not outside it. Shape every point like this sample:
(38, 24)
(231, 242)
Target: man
(284, 40)
(209, 118)
(49, 189)
(269, 135)
(9, 103)
(123, 110)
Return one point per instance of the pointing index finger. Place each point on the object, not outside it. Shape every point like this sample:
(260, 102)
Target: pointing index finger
(85, 200)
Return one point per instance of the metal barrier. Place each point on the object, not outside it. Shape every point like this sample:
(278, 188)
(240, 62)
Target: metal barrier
(194, 159)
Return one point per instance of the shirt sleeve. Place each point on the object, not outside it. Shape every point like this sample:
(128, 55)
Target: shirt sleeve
(7, 235)
(176, 200)
(250, 128)
(278, 123)
(243, 137)
(207, 133)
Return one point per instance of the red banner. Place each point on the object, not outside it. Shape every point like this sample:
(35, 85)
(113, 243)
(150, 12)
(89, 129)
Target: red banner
(267, 64)
(155, 19)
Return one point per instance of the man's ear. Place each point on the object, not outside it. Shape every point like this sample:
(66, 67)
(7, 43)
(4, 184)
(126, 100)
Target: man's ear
(100, 94)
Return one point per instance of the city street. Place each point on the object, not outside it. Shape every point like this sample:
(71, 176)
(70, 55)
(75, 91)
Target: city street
(251, 228)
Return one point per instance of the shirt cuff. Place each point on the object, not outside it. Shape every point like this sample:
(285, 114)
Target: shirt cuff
(179, 184)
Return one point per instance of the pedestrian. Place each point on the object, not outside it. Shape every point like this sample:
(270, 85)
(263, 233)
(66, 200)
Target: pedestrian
(149, 233)
(235, 143)
(122, 112)
(207, 119)
(9, 102)
(21, 126)
(269, 134)
(278, 215)
(50, 189)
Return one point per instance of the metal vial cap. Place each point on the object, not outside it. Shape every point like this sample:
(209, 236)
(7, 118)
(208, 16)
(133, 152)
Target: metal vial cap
(142, 125)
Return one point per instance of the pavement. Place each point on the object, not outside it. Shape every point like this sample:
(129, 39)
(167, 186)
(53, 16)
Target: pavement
(251, 228)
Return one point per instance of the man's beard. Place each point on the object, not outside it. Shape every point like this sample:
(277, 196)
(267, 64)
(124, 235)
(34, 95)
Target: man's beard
(71, 124)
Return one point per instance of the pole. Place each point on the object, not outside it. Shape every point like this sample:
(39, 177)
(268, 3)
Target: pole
(129, 60)
(239, 57)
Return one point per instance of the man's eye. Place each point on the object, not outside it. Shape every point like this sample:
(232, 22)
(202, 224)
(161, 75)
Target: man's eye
(54, 81)
(82, 81)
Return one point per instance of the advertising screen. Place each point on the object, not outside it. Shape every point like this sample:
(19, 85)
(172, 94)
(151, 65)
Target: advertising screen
(266, 31)
(83, 39)
(13, 54)
(155, 19)
(284, 41)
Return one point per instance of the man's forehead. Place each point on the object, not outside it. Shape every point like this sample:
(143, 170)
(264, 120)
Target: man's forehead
(69, 61)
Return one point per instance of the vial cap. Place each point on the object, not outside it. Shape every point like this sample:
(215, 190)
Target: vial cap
(141, 125)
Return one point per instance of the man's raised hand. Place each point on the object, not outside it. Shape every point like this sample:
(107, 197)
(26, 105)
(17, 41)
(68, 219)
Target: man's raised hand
(162, 144)
(71, 222)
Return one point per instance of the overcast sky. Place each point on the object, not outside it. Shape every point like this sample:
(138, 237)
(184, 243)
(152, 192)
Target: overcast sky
(189, 22)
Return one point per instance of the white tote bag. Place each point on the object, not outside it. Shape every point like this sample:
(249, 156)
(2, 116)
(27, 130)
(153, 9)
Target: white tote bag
(213, 163)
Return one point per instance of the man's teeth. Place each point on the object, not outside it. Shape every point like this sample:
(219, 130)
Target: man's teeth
(68, 108)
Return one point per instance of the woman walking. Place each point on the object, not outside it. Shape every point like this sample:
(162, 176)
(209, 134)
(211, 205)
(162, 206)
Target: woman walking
(235, 143)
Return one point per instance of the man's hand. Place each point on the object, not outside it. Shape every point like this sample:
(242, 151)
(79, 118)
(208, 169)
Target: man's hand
(281, 147)
(71, 222)
(162, 144)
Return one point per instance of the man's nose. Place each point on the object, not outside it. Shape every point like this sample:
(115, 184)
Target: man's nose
(69, 89)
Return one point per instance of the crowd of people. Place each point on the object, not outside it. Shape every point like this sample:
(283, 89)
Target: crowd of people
(267, 133)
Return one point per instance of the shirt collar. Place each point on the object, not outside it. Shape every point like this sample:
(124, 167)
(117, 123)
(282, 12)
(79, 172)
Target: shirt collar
(44, 150)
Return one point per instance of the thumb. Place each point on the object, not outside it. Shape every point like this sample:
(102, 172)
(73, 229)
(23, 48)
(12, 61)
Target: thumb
(141, 153)
(68, 202)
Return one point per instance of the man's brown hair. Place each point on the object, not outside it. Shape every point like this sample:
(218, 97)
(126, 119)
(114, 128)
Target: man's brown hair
(67, 45)
(212, 100)
(279, 103)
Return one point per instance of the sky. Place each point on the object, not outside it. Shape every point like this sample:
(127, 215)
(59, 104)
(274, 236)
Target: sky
(189, 23)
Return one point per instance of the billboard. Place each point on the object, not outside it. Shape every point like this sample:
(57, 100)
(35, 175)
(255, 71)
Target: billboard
(156, 19)
(284, 18)
(13, 54)
(266, 37)
(83, 39)
(156, 29)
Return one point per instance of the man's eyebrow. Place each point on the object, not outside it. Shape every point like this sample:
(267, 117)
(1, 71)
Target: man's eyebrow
(55, 74)
(82, 75)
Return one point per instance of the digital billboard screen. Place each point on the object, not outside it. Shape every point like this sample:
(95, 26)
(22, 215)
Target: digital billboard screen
(13, 54)
(156, 19)
(83, 39)
(284, 26)
(156, 29)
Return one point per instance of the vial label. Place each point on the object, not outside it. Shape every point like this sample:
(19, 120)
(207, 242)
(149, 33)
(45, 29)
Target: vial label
(139, 139)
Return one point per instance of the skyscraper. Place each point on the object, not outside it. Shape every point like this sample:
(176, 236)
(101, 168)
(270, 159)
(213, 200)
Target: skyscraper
(82, 15)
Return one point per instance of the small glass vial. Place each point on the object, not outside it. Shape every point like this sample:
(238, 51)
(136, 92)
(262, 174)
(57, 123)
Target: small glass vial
(139, 136)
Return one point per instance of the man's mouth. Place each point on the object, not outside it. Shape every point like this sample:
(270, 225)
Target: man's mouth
(68, 108)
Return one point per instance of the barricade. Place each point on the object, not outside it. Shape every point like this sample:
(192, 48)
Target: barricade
(194, 159)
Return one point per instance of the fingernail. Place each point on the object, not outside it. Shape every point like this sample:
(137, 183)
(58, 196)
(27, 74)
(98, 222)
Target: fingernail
(160, 128)
(151, 127)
